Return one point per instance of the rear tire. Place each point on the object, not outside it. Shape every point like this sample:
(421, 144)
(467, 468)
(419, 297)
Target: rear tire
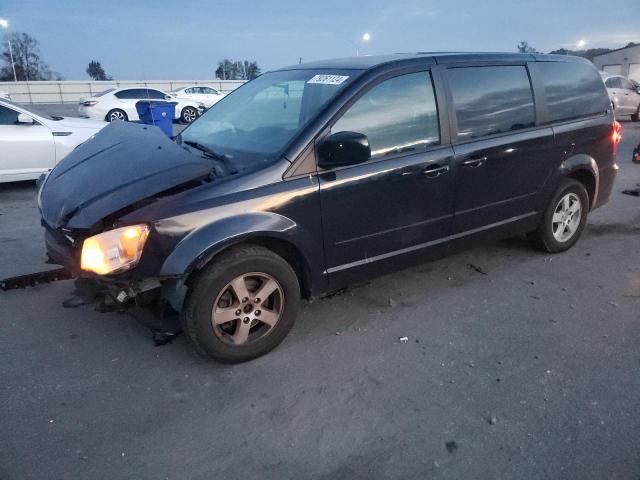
(115, 115)
(636, 116)
(188, 114)
(230, 326)
(564, 218)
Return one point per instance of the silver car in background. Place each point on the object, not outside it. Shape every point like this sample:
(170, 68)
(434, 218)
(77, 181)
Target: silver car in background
(624, 95)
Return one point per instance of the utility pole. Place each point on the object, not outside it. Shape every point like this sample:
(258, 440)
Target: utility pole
(13, 65)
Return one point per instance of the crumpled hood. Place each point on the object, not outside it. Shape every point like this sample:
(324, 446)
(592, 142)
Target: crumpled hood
(123, 164)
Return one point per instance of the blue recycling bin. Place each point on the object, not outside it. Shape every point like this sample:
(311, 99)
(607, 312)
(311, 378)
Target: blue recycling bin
(160, 114)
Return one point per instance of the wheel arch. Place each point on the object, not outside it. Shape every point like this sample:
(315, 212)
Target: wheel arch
(275, 232)
(584, 169)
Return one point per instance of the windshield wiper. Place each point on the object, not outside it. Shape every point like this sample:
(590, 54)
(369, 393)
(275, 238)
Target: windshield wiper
(212, 154)
(205, 149)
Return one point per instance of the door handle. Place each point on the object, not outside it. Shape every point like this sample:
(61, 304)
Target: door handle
(434, 171)
(474, 162)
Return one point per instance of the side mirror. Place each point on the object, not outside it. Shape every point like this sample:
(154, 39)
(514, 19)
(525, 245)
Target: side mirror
(343, 148)
(24, 119)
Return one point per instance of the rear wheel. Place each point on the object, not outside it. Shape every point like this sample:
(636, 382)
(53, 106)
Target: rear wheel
(564, 218)
(636, 116)
(188, 114)
(116, 114)
(242, 305)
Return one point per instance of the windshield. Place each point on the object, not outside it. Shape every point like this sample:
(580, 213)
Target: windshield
(256, 122)
(31, 109)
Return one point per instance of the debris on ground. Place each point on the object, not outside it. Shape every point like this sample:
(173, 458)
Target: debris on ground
(403, 339)
(477, 269)
(633, 193)
(451, 446)
(492, 420)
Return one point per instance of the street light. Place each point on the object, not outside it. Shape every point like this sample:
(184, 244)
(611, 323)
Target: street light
(365, 38)
(4, 23)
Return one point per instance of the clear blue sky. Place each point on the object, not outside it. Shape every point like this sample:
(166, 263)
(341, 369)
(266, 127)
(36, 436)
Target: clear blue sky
(179, 39)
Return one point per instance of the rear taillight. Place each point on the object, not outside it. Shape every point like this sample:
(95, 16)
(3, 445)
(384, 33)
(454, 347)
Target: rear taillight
(89, 103)
(616, 135)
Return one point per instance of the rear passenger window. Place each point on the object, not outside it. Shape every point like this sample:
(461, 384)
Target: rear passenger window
(397, 115)
(490, 100)
(154, 94)
(573, 90)
(127, 94)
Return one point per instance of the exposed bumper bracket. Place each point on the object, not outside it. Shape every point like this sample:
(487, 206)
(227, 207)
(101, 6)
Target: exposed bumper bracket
(33, 279)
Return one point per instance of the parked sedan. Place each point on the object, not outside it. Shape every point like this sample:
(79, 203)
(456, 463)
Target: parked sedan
(120, 104)
(624, 95)
(205, 95)
(33, 143)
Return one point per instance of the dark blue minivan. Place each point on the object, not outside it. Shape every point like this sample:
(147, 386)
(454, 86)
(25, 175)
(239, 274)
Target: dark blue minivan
(316, 176)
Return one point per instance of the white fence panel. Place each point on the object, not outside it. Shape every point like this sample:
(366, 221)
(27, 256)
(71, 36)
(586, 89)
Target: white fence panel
(73, 91)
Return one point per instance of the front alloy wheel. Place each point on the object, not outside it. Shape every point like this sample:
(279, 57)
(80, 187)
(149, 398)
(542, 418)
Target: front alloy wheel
(247, 308)
(242, 304)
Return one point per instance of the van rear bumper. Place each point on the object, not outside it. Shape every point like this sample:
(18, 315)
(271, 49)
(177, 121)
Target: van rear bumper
(606, 179)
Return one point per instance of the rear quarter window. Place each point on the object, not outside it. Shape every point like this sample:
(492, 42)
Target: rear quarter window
(572, 90)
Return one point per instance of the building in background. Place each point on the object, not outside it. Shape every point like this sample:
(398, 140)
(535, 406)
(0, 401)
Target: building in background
(623, 61)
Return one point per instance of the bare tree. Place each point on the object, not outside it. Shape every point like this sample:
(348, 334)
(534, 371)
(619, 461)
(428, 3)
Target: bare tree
(26, 58)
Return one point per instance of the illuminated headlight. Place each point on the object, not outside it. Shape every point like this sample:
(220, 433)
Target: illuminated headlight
(114, 251)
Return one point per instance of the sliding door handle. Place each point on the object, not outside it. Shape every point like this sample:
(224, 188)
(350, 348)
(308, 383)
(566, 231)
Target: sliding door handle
(434, 171)
(474, 162)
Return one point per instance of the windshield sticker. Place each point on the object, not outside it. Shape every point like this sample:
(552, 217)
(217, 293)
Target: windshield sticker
(328, 79)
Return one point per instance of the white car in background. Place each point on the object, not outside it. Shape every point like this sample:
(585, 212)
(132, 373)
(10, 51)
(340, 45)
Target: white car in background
(120, 104)
(32, 143)
(206, 95)
(624, 95)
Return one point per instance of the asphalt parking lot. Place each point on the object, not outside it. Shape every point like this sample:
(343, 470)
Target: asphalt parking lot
(518, 364)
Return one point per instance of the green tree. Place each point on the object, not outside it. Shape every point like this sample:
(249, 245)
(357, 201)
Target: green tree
(523, 47)
(96, 72)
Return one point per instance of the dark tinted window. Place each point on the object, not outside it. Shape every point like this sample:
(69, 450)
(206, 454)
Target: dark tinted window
(154, 94)
(491, 100)
(626, 84)
(573, 90)
(397, 115)
(613, 82)
(130, 93)
(8, 116)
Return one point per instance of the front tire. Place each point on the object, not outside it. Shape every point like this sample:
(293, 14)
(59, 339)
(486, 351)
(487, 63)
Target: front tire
(116, 115)
(564, 218)
(242, 305)
(188, 114)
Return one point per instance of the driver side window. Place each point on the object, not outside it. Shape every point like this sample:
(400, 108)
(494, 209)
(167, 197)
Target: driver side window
(397, 115)
(8, 116)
